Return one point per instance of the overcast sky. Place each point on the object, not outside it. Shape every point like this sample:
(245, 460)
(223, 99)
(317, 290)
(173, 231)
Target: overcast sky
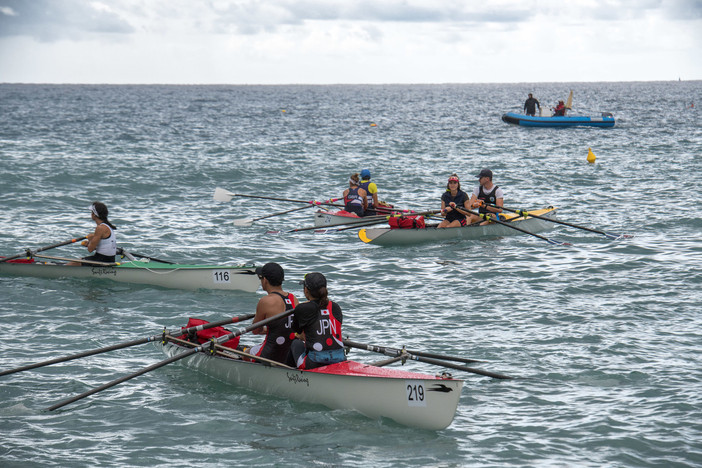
(348, 41)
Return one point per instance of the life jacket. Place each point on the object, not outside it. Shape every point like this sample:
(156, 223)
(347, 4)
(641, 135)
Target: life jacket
(353, 202)
(406, 222)
(276, 346)
(487, 197)
(369, 196)
(203, 336)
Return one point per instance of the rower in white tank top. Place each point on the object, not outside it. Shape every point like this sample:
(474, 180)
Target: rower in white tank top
(107, 247)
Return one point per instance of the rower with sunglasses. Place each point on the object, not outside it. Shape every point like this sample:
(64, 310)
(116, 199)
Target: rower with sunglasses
(452, 197)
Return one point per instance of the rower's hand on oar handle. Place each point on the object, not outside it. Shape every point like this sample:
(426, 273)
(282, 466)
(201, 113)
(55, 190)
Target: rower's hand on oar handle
(476, 204)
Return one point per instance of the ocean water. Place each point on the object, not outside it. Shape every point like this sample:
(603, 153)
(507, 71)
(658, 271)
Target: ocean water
(605, 336)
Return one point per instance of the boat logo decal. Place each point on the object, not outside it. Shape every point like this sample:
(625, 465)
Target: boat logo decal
(440, 388)
(103, 271)
(297, 378)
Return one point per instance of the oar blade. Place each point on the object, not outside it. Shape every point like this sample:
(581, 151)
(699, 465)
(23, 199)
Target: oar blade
(222, 195)
(243, 222)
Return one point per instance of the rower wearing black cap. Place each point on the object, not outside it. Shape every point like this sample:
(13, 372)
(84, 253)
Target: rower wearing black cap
(318, 322)
(279, 334)
(485, 193)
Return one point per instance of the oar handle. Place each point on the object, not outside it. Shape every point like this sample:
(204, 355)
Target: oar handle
(30, 253)
(259, 324)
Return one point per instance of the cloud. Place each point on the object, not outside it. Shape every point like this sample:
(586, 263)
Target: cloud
(48, 20)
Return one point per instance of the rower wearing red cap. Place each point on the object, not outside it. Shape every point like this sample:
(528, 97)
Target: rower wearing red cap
(452, 197)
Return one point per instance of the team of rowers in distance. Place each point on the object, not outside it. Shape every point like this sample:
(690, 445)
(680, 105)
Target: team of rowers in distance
(361, 198)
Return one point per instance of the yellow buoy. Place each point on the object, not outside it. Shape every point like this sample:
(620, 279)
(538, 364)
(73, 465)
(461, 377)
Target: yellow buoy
(373, 125)
(591, 156)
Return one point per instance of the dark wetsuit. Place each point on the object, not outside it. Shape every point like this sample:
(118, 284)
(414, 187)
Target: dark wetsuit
(530, 106)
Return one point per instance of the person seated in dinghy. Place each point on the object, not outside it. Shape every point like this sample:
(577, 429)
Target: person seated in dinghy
(103, 240)
(452, 197)
(355, 198)
(318, 323)
(371, 193)
(279, 335)
(559, 110)
(486, 193)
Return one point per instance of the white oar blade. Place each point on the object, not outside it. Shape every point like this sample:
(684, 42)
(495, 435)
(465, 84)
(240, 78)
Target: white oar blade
(243, 222)
(222, 195)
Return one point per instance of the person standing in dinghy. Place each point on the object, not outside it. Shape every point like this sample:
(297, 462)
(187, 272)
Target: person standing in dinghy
(279, 334)
(452, 197)
(530, 105)
(102, 241)
(355, 198)
(318, 322)
(371, 193)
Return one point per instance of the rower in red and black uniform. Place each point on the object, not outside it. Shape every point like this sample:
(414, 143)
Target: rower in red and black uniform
(371, 192)
(318, 322)
(279, 334)
(355, 200)
(486, 193)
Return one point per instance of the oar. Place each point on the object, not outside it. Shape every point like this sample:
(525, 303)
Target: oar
(127, 344)
(488, 218)
(425, 354)
(528, 213)
(87, 262)
(355, 223)
(225, 196)
(414, 357)
(249, 221)
(209, 346)
(121, 251)
(30, 253)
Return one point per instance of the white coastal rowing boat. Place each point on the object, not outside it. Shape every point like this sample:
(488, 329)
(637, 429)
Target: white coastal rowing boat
(390, 237)
(408, 398)
(167, 275)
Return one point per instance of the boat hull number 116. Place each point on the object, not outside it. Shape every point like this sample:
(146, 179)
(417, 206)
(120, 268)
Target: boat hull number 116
(222, 276)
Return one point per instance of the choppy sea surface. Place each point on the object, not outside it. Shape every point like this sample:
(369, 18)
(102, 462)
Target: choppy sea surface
(605, 335)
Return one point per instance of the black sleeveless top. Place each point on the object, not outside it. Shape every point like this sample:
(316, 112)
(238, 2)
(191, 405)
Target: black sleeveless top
(280, 335)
